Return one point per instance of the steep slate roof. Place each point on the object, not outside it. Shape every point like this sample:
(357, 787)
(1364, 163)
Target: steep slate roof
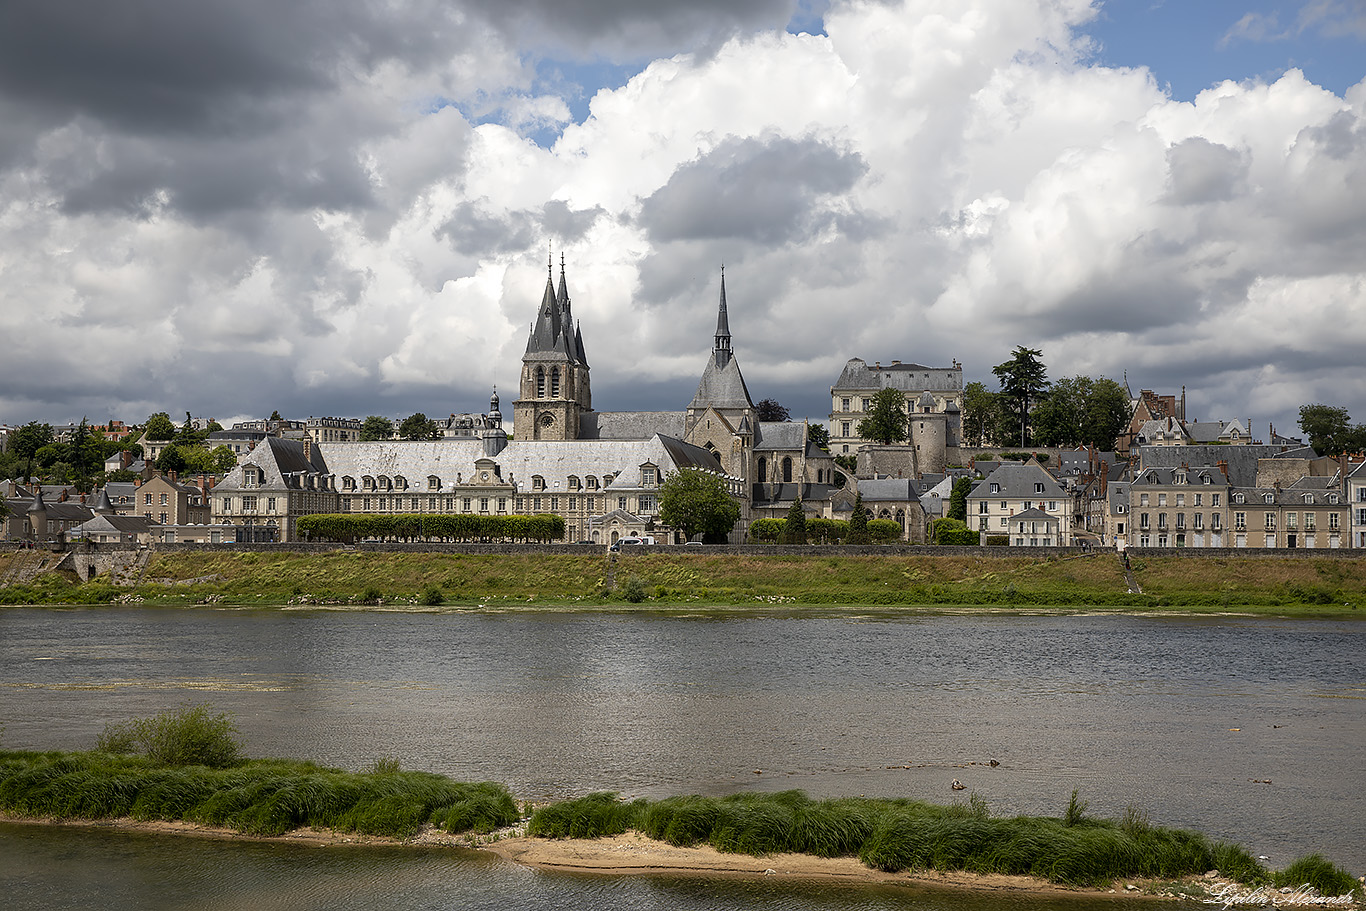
(722, 388)
(1195, 477)
(1286, 496)
(281, 462)
(779, 435)
(1242, 460)
(1017, 479)
(771, 496)
(1033, 514)
(876, 490)
(127, 525)
(857, 374)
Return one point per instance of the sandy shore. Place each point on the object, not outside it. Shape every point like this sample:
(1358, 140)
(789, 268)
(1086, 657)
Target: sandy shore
(634, 854)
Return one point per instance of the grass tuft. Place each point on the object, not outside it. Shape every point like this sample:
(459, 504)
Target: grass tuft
(1317, 872)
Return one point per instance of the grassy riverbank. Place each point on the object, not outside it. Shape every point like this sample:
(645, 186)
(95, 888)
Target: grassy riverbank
(264, 798)
(1306, 585)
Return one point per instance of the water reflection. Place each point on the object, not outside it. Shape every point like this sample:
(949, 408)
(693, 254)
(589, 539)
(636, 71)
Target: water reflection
(48, 868)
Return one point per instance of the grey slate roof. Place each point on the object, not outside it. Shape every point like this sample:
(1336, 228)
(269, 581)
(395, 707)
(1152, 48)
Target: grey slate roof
(1017, 479)
(783, 435)
(721, 388)
(875, 490)
(1242, 460)
(630, 425)
(555, 461)
(1033, 514)
(857, 374)
(127, 525)
(1170, 477)
(281, 462)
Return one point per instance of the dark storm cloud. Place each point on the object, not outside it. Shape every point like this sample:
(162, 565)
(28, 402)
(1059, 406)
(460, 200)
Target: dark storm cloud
(630, 29)
(167, 65)
(764, 190)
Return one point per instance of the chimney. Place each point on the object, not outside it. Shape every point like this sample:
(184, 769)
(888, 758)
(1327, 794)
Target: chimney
(308, 450)
(172, 475)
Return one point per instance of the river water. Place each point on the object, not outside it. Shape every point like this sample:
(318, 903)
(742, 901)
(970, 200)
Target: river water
(1248, 729)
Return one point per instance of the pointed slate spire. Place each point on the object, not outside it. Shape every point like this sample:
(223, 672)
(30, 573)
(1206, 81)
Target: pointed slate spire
(545, 334)
(722, 349)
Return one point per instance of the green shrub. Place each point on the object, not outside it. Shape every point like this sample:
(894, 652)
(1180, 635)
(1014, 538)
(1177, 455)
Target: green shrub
(634, 590)
(371, 595)
(766, 531)
(1314, 870)
(587, 817)
(431, 596)
(190, 735)
(884, 531)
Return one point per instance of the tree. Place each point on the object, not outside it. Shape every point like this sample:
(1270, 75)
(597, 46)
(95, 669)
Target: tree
(794, 528)
(1081, 411)
(417, 427)
(886, 420)
(771, 410)
(275, 416)
(376, 428)
(982, 418)
(1023, 379)
(172, 458)
(1329, 430)
(223, 459)
(697, 503)
(27, 440)
(819, 434)
(858, 523)
(958, 499)
(159, 427)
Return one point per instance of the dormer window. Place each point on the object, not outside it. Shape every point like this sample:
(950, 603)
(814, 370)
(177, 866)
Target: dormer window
(592, 482)
(400, 483)
(1309, 498)
(251, 477)
(1207, 479)
(574, 482)
(647, 476)
(1268, 498)
(995, 488)
(433, 482)
(1332, 498)
(1237, 498)
(1038, 487)
(367, 483)
(348, 483)
(537, 482)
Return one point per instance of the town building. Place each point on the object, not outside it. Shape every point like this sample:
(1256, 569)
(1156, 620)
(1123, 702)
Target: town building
(934, 398)
(1014, 489)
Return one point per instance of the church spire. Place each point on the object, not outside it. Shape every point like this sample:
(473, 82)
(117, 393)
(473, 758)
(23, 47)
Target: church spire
(722, 349)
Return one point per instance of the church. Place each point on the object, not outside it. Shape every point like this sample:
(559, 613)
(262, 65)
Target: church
(599, 470)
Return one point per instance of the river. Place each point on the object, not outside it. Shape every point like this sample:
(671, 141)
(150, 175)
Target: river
(1247, 729)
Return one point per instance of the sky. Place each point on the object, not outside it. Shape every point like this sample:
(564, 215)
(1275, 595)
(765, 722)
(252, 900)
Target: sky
(347, 208)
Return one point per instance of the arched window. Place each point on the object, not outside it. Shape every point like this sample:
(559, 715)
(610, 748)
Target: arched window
(763, 471)
(555, 382)
(787, 471)
(540, 382)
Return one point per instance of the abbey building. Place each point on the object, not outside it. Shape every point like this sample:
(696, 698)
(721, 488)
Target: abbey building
(600, 470)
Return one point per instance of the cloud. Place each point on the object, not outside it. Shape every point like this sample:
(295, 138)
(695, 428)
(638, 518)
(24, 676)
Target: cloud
(767, 190)
(347, 209)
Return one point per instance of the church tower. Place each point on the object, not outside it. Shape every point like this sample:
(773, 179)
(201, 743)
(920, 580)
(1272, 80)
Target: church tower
(554, 385)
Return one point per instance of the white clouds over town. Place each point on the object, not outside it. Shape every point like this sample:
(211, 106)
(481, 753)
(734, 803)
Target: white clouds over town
(344, 208)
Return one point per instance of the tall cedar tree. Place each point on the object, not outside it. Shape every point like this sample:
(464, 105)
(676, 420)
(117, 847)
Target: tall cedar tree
(886, 422)
(1024, 380)
(958, 499)
(858, 523)
(794, 528)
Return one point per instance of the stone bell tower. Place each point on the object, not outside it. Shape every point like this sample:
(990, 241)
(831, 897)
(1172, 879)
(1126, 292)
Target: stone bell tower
(554, 388)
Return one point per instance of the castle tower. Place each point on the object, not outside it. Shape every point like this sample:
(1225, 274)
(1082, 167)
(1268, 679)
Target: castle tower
(554, 386)
(495, 437)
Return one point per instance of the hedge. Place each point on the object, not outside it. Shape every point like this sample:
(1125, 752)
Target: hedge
(349, 527)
